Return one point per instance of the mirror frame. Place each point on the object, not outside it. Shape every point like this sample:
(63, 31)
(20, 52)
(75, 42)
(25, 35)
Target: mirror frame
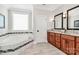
(68, 18)
(61, 21)
(3, 21)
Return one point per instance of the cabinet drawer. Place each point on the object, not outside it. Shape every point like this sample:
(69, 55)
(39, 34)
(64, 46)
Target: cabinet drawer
(57, 34)
(68, 37)
(51, 33)
(48, 33)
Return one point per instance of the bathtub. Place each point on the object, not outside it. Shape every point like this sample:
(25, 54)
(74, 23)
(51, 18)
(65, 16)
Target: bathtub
(12, 41)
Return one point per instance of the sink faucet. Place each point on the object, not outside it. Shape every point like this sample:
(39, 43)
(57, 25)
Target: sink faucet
(65, 30)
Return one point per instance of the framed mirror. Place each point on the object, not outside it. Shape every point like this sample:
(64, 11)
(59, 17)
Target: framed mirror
(2, 21)
(58, 21)
(73, 18)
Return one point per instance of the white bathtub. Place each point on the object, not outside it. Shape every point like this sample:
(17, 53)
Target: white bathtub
(12, 41)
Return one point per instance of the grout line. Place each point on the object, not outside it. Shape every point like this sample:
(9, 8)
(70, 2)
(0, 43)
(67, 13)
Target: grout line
(14, 33)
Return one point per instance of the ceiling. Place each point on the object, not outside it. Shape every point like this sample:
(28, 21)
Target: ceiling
(48, 7)
(19, 6)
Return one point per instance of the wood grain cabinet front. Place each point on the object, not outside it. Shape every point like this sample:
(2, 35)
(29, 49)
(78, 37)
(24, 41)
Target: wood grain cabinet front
(57, 38)
(77, 45)
(68, 44)
(77, 52)
(64, 44)
(48, 36)
(71, 47)
(51, 38)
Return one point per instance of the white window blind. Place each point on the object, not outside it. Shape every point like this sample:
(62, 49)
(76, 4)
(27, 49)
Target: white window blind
(20, 21)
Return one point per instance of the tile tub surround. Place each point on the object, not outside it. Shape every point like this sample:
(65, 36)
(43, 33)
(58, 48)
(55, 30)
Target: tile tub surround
(14, 38)
(14, 33)
(4, 49)
(18, 47)
(19, 51)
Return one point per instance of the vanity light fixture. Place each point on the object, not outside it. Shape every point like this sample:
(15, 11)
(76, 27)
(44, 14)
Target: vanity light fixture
(64, 16)
(51, 19)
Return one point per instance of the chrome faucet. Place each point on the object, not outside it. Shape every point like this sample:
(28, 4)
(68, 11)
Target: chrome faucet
(65, 30)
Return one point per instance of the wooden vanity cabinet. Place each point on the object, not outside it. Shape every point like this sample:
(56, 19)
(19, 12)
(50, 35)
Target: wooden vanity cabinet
(57, 38)
(68, 44)
(54, 39)
(77, 45)
(48, 37)
(51, 37)
(64, 45)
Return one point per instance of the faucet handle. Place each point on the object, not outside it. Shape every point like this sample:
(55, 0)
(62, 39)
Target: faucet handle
(65, 30)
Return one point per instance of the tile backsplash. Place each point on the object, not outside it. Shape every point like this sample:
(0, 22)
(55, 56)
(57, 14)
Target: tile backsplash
(67, 31)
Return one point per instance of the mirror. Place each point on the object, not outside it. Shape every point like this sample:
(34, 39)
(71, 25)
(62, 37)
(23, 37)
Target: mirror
(58, 21)
(73, 18)
(2, 21)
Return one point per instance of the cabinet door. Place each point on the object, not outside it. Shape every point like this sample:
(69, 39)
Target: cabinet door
(57, 38)
(53, 38)
(48, 36)
(68, 44)
(77, 52)
(77, 45)
(63, 45)
(58, 44)
(71, 47)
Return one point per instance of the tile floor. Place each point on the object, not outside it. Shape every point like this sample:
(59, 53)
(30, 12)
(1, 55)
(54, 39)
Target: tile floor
(37, 49)
(42, 49)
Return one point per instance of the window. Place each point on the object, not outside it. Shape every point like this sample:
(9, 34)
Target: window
(20, 21)
(2, 21)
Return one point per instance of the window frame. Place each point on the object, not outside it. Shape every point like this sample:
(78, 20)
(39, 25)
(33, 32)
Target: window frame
(3, 21)
(19, 11)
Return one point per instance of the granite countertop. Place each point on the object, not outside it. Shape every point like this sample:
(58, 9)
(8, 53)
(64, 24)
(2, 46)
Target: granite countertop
(66, 33)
